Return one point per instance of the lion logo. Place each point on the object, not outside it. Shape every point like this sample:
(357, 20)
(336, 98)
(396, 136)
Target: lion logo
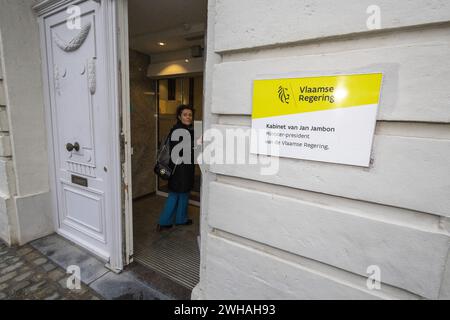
(283, 95)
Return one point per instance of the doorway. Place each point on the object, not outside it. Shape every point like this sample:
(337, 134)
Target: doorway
(171, 92)
(80, 91)
(166, 44)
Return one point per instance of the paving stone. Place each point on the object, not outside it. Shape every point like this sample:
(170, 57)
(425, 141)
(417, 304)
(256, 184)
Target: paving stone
(25, 269)
(3, 286)
(54, 296)
(38, 277)
(8, 276)
(55, 275)
(63, 283)
(64, 254)
(6, 258)
(81, 291)
(3, 265)
(32, 256)
(40, 261)
(12, 260)
(20, 286)
(86, 296)
(125, 286)
(49, 266)
(44, 293)
(11, 268)
(37, 286)
(24, 251)
(23, 276)
(2, 296)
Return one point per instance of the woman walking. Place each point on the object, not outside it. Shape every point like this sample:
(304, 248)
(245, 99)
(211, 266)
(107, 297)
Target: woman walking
(182, 180)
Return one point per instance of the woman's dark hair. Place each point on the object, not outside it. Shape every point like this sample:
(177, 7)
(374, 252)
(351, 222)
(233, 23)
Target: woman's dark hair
(182, 107)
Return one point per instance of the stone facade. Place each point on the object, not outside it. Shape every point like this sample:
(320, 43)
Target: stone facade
(6, 167)
(314, 229)
(24, 177)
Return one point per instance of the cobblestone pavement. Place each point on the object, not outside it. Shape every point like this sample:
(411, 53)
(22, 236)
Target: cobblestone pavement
(26, 274)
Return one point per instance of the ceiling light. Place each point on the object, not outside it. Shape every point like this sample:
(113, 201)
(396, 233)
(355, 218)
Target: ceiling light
(161, 43)
(186, 60)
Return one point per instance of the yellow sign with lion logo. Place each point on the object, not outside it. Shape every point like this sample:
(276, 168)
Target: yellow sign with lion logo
(324, 118)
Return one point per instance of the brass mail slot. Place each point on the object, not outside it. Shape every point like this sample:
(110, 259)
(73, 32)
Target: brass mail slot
(80, 181)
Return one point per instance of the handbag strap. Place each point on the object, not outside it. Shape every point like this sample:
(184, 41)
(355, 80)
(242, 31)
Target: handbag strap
(164, 146)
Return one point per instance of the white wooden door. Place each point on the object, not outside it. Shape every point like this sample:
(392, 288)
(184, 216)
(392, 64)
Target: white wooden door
(81, 114)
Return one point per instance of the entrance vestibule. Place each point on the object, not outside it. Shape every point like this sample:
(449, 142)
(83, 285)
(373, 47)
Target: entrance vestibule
(166, 42)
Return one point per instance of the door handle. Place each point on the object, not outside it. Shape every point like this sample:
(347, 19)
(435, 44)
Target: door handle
(70, 147)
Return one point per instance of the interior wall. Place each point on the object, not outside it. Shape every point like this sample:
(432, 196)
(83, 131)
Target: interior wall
(143, 125)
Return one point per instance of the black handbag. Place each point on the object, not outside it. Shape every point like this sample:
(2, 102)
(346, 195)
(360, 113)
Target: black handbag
(162, 167)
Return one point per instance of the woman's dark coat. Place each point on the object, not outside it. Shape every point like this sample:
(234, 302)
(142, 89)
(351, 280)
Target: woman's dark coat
(182, 179)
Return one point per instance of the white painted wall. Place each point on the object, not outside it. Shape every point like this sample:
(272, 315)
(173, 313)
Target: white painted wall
(311, 230)
(23, 151)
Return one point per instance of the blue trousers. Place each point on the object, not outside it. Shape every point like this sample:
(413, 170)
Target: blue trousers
(176, 204)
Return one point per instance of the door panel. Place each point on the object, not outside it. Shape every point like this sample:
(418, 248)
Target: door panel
(84, 211)
(78, 102)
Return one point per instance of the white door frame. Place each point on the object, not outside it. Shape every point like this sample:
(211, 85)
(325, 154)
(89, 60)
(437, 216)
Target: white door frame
(109, 16)
(127, 195)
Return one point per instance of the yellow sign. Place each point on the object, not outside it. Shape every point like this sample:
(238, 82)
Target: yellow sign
(277, 97)
(327, 118)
